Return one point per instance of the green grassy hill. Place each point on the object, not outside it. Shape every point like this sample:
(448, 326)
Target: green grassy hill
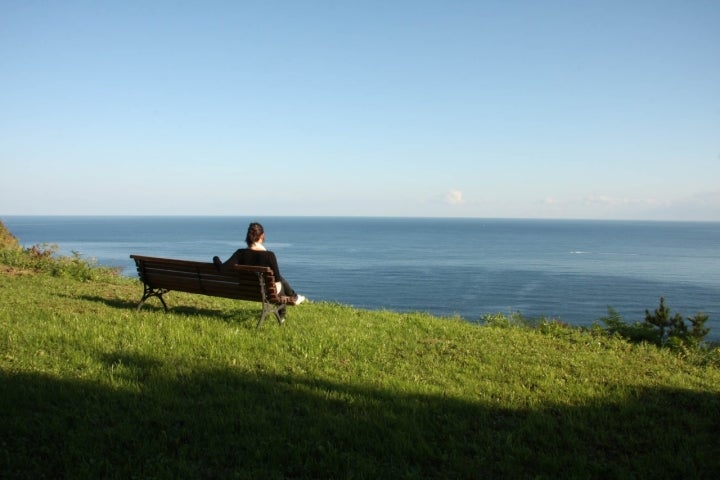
(93, 389)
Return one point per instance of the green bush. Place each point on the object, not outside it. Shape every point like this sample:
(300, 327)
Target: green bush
(514, 319)
(44, 258)
(7, 239)
(660, 328)
(545, 325)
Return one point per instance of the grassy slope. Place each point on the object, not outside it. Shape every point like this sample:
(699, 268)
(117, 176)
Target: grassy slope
(92, 389)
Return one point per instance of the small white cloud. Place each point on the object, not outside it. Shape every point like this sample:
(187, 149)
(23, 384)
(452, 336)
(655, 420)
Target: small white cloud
(604, 200)
(454, 197)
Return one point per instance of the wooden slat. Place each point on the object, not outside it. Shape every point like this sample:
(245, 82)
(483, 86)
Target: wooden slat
(238, 282)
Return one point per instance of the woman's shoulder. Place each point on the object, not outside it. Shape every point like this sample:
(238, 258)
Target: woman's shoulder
(254, 253)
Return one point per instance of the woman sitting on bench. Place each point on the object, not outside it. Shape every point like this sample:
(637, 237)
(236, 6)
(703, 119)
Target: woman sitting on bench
(256, 254)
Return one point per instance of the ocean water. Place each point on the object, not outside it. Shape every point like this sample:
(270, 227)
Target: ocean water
(569, 270)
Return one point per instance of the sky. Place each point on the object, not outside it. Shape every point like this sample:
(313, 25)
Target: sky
(492, 109)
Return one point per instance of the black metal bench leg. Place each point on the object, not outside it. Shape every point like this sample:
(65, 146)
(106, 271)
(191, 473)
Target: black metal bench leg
(269, 308)
(151, 292)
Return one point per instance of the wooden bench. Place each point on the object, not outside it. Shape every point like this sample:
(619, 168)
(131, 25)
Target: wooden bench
(256, 284)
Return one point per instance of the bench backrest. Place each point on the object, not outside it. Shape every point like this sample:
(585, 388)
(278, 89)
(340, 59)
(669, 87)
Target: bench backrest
(242, 282)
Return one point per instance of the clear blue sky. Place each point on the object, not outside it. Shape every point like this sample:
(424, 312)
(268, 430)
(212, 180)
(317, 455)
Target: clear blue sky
(530, 109)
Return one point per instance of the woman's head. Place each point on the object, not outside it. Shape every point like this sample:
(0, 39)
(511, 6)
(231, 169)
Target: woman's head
(254, 234)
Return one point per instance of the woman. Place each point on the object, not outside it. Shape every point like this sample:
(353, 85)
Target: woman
(256, 254)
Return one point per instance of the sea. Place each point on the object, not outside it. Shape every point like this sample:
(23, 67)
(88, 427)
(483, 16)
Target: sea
(569, 270)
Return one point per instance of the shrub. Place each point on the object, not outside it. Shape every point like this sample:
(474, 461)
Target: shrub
(636, 332)
(7, 239)
(43, 258)
(514, 319)
(660, 328)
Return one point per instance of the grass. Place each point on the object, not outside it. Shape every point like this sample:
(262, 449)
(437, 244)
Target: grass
(89, 388)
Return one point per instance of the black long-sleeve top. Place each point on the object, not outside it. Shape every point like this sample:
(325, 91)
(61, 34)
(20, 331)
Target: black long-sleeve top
(260, 258)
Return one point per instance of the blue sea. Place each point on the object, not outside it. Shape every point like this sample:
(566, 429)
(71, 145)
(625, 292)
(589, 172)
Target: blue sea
(565, 269)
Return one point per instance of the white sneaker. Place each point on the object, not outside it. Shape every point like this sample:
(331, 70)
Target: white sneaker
(299, 299)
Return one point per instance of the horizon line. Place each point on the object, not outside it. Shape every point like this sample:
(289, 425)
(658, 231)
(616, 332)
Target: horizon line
(419, 217)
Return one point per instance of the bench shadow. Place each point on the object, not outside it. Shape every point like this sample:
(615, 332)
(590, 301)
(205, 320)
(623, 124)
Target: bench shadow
(227, 423)
(239, 315)
(110, 302)
(234, 316)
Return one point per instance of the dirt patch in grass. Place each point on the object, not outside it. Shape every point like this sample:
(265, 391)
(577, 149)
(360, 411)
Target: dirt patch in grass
(14, 271)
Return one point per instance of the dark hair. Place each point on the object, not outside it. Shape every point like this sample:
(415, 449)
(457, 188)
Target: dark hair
(255, 231)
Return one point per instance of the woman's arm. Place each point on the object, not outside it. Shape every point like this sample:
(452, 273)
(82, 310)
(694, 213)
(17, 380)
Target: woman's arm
(272, 260)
